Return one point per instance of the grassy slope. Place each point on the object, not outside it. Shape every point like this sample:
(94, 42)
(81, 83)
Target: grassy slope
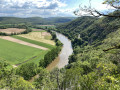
(34, 42)
(16, 53)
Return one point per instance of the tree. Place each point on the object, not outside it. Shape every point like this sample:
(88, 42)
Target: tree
(27, 70)
(115, 4)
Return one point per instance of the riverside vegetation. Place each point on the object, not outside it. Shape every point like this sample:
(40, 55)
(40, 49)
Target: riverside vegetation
(94, 64)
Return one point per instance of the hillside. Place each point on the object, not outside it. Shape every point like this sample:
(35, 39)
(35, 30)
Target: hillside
(34, 20)
(96, 58)
(59, 19)
(90, 29)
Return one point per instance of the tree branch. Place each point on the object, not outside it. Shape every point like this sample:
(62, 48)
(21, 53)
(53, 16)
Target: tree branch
(91, 11)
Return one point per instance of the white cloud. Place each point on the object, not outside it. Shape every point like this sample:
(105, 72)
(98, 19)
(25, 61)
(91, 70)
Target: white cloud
(42, 4)
(26, 8)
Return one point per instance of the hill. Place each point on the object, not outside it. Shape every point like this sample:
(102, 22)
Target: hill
(90, 29)
(34, 20)
(96, 58)
(59, 19)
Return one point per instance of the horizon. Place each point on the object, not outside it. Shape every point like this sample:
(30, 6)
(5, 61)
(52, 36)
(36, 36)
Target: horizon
(36, 17)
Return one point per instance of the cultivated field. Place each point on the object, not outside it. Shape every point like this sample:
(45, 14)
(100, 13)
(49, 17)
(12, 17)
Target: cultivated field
(20, 49)
(15, 53)
(11, 30)
(39, 36)
(22, 42)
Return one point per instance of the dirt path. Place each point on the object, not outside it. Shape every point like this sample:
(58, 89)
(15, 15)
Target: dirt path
(22, 42)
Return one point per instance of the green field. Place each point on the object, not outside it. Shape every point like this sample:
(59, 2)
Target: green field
(34, 42)
(15, 53)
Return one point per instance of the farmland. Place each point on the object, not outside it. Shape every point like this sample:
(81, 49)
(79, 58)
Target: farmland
(11, 30)
(20, 49)
(34, 42)
(15, 53)
(40, 36)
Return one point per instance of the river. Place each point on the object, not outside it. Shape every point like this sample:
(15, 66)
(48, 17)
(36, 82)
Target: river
(62, 59)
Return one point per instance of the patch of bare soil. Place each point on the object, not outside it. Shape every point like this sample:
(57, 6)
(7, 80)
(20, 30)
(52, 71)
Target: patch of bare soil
(11, 30)
(22, 42)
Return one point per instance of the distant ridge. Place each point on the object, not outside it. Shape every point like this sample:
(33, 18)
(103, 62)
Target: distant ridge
(35, 20)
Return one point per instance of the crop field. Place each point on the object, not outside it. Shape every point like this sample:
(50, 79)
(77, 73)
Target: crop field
(20, 49)
(11, 30)
(15, 53)
(34, 42)
(39, 36)
(22, 42)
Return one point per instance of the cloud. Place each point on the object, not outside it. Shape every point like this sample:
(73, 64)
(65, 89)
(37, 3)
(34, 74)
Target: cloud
(26, 4)
(26, 8)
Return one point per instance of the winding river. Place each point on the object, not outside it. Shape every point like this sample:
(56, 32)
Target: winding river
(66, 51)
(62, 59)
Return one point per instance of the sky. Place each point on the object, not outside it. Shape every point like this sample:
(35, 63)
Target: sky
(45, 8)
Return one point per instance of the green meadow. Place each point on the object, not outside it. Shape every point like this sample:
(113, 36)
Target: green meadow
(15, 53)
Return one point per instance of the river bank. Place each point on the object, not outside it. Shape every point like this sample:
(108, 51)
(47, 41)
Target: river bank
(62, 60)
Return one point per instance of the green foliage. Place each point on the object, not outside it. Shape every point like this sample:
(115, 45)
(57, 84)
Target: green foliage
(50, 56)
(28, 29)
(95, 63)
(91, 30)
(3, 34)
(10, 81)
(27, 70)
(43, 81)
